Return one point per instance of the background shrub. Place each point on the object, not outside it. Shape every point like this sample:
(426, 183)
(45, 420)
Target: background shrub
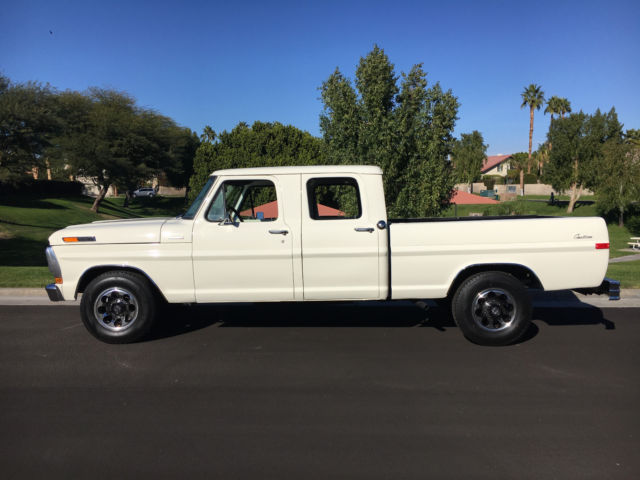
(41, 188)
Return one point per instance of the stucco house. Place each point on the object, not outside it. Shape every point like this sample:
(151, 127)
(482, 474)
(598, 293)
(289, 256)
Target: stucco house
(496, 165)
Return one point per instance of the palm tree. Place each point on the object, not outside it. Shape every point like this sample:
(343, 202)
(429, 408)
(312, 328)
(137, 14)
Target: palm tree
(208, 134)
(565, 107)
(533, 97)
(554, 105)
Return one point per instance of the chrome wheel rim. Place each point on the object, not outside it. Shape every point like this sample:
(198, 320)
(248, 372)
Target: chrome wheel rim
(116, 309)
(493, 309)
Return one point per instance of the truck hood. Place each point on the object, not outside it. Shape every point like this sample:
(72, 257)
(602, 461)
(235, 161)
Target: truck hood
(136, 230)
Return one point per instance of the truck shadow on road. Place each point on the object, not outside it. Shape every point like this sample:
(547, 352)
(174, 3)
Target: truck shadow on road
(178, 319)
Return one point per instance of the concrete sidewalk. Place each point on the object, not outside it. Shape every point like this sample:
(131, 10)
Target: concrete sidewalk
(562, 298)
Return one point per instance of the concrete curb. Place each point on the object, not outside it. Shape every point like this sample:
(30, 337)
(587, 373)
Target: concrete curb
(558, 299)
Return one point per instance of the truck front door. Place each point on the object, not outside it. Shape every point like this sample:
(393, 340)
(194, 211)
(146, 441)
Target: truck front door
(242, 248)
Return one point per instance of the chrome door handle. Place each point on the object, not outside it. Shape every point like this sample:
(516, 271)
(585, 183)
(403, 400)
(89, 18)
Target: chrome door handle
(364, 229)
(279, 232)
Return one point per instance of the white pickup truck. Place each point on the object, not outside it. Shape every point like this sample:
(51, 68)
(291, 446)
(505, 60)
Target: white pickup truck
(287, 234)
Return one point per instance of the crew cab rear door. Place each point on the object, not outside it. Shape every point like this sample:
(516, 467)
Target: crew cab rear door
(339, 239)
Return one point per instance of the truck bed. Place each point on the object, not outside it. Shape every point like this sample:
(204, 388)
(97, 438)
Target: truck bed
(427, 254)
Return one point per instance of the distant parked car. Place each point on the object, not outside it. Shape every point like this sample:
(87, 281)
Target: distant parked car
(144, 192)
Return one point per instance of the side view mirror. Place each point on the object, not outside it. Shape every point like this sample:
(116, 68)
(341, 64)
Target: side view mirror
(227, 220)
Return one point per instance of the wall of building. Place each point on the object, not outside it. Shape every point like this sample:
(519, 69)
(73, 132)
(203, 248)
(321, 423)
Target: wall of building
(91, 190)
(497, 170)
(171, 191)
(529, 189)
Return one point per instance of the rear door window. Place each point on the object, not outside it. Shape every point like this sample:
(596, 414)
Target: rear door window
(335, 198)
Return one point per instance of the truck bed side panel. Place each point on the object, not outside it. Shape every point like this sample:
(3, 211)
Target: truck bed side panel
(427, 256)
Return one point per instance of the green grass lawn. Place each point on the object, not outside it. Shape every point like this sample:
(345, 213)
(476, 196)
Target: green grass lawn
(26, 223)
(628, 273)
(559, 197)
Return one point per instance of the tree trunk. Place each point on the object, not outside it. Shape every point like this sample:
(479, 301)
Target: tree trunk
(522, 181)
(530, 139)
(621, 217)
(34, 172)
(127, 198)
(46, 161)
(575, 195)
(103, 193)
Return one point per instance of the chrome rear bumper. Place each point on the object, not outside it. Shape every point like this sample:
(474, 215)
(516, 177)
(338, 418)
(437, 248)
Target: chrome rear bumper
(607, 287)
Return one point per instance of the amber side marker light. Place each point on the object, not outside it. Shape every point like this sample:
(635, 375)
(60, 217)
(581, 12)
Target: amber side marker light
(602, 246)
(59, 280)
(78, 239)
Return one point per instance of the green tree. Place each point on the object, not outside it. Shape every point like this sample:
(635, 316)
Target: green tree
(577, 153)
(532, 97)
(208, 134)
(520, 162)
(406, 130)
(554, 106)
(182, 150)
(632, 136)
(261, 145)
(27, 124)
(618, 182)
(565, 107)
(112, 141)
(468, 155)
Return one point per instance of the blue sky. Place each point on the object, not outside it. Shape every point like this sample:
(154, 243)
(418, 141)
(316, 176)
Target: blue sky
(220, 63)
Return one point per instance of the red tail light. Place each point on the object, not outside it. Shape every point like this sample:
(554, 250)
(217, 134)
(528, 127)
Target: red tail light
(602, 246)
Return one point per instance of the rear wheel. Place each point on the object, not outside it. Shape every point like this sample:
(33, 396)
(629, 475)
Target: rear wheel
(118, 307)
(492, 308)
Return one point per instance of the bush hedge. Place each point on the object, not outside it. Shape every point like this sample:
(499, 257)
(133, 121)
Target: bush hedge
(514, 176)
(633, 224)
(41, 188)
(492, 180)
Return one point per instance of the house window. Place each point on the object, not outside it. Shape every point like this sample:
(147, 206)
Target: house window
(500, 167)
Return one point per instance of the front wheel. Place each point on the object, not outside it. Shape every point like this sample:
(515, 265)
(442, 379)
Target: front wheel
(492, 308)
(118, 307)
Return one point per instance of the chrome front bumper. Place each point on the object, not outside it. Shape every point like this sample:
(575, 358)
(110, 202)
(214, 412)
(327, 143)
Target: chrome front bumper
(55, 295)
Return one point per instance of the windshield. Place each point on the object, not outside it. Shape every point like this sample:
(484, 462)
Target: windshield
(193, 209)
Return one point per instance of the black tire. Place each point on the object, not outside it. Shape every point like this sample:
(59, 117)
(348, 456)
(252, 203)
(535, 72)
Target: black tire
(118, 307)
(492, 308)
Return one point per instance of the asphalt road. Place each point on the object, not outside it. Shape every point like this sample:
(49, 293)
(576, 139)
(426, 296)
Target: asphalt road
(319, 391)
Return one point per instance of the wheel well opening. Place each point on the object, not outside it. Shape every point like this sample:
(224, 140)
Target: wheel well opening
(88, 276)
(522, 273)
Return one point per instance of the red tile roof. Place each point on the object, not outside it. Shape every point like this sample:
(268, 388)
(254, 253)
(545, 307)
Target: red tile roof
(492, 161)
(270, 210)
(466, 198)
